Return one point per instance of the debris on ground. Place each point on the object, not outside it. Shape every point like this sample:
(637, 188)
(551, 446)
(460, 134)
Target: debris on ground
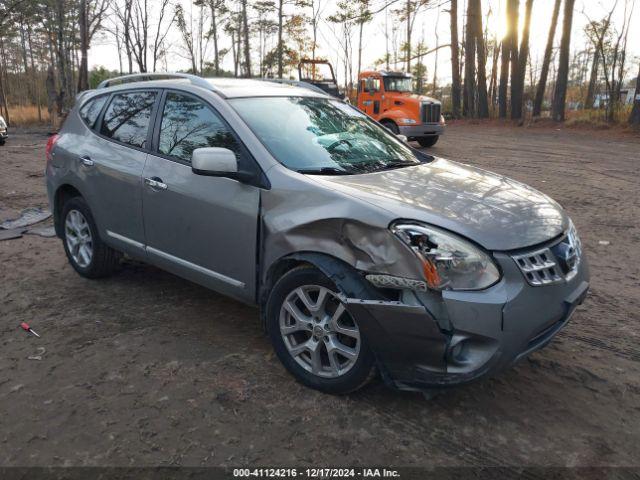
(25, 326)
(47, 232)
(39, 354)
(27, 217)
(11, 234)
(604, 242)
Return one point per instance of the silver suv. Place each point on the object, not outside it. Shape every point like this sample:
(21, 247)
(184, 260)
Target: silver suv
(362, 253)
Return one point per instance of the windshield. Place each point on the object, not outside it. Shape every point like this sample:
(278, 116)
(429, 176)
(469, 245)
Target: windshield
(321, 135)
(397, 84)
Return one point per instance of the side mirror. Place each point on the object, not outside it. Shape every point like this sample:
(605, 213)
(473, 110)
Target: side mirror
(402, 138)
(214, 162)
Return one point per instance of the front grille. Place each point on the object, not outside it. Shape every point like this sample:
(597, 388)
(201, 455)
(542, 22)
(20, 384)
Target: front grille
(554, 264)
(430, 113)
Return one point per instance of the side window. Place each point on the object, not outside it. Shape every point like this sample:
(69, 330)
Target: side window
(372, 84)
(187, 124)
(127, 117)
(90, 110)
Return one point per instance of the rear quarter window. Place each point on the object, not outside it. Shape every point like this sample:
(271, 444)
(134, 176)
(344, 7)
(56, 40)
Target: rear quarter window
(90, 110)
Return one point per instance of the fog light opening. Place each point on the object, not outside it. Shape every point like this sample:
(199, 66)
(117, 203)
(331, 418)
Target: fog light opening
(458, 353)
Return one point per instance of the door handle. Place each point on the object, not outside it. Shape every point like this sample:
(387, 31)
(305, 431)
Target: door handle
(86, 161)
(156, 183)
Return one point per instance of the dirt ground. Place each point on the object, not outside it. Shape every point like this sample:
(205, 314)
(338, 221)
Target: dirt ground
(148, 369)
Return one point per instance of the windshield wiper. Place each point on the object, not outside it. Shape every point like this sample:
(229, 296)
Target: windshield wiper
(324, 171)
(394, 165)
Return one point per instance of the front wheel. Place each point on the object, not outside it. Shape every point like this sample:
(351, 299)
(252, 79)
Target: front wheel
(314, 336)
(428, 141)
(391, 126)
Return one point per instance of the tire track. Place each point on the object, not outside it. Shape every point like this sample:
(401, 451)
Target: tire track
(628, 353)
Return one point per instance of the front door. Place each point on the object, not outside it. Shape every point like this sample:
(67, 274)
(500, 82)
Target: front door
(369, 96)
(199, 227)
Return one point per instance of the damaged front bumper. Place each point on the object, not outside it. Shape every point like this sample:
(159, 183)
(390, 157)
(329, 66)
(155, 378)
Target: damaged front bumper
(431, 340)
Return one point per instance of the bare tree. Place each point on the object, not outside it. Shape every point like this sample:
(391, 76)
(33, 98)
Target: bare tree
(559, 99)
(469, 87)
(481, 85)
(245, 36)
(455, 60)
(509, 43)
(162, 30)
(364, 16)
(544, 72)
(217, 9)
(634, 117)
(517, 82)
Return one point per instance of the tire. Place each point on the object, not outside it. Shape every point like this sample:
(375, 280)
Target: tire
(391, 126)
(103, 260)
(337, 376)
(2, 143)
(428, 141)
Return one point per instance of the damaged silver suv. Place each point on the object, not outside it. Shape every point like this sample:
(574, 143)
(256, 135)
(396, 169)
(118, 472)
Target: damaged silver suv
(363, 253)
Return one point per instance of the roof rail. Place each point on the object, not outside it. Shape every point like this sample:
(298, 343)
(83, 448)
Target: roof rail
(144, 77)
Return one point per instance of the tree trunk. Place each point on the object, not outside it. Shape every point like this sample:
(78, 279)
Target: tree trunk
(560, 96)
(593, 80)
(507, 46)
(3, 94)
(469, 98)
(544, 72)
(455, 61)
(245, 28)
(515, 59)
(359, 49)
(280, 15)
(634, 118)
(517, 84)
(493, 83)
(83, 71)
(214, 31)
(483, 102)
(408, 36)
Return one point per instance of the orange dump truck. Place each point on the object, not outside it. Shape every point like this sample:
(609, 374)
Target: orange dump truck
(387, 97)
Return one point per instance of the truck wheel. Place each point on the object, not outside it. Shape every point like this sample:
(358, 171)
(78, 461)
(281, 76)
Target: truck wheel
(391, 126)
(314, 336)
(428, 141)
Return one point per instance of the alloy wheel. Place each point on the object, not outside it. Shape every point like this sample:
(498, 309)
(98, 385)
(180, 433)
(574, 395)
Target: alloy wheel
(319, 332)
(78, 238)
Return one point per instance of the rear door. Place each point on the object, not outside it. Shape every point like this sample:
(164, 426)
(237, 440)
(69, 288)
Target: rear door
(113, 162)
(202, 228)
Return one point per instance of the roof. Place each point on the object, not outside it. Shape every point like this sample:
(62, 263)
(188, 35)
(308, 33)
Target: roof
(225, 86)
(246, 87)
(385, 73)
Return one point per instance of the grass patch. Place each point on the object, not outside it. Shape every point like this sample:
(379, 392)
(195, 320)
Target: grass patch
(27, 115)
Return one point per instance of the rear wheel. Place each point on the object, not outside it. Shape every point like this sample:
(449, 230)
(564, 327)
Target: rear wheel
(428, 141)
(314, 335)
(87, 254)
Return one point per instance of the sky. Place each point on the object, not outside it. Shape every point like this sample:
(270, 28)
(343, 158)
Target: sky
(432, 26)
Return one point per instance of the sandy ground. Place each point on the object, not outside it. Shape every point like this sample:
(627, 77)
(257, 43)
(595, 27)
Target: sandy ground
(147, 369)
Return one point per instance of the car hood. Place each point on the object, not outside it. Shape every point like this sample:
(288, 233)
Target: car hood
(494, 211)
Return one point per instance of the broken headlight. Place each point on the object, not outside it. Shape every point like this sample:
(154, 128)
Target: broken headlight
(448, 261)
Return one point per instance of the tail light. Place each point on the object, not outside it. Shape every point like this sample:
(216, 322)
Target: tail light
(48, 150)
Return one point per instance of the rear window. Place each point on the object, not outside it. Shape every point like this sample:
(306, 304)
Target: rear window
(127, 117)
(90, 110)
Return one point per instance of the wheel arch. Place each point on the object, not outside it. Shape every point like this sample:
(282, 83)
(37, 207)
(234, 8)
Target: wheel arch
(63, 193)
(349, 280)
